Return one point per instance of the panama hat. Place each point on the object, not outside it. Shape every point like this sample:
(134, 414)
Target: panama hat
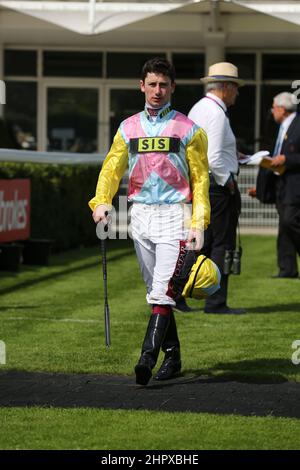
(223, 72)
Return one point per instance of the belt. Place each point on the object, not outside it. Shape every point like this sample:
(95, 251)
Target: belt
(214, 183)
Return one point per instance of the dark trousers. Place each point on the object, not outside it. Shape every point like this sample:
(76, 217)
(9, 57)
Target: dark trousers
(288, 240)
(221, 235)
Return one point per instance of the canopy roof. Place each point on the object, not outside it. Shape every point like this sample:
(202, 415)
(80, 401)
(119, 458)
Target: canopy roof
(92, 17)
(288, 11)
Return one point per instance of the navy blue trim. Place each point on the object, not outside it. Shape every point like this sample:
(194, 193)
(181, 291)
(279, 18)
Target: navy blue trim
(223, 76)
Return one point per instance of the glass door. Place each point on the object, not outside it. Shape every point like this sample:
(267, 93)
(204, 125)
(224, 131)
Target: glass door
(123, 103)
(72, 119)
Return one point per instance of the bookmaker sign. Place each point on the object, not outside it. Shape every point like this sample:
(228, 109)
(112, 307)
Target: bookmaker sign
(14, 210)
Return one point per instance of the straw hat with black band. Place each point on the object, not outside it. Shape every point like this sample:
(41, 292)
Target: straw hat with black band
(223, 72)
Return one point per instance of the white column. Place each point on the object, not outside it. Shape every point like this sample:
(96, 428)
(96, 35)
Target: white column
(214, 48)
(215, 36)
(42, 116)
(41, 105)
(92, 5)
(2, 84)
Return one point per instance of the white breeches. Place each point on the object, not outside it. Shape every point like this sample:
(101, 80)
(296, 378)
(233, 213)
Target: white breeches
(157, 231)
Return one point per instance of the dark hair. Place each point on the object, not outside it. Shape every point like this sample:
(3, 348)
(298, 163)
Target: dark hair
(158, 65)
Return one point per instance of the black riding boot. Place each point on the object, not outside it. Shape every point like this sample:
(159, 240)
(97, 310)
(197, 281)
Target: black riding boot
(154, 337)
(171, 364)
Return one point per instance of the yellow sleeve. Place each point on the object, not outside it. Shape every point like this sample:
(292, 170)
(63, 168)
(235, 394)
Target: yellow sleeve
(113, 168)
(196, 155)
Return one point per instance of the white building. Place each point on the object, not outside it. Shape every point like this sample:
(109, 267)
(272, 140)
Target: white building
(71, 69)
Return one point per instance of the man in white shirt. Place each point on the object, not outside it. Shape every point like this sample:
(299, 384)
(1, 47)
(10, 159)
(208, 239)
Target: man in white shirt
(211, 114)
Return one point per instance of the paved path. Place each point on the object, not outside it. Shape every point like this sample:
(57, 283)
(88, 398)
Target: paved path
(195, 394)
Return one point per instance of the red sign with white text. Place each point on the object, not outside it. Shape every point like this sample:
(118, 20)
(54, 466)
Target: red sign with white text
(14, 210)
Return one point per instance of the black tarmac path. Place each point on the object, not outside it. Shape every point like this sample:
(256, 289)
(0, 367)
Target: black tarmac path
(192, 393)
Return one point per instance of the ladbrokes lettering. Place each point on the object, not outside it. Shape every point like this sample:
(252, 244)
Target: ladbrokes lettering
(14, 210)
(12, 213)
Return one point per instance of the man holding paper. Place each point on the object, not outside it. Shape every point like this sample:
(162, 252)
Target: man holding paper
(286, 185)
(287, 152)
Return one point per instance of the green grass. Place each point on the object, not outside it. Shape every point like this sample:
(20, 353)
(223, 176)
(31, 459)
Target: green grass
(52, 320)
(39, 428)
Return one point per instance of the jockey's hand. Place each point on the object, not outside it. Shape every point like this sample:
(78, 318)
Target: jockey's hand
(195, 240)
(100, 214)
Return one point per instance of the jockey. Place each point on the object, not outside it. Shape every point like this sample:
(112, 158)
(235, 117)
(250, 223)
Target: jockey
(166, 154)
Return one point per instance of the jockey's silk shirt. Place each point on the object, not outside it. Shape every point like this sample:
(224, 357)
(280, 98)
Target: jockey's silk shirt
(167, 160)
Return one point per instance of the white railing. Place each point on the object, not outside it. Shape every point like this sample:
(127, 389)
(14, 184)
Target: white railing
(255, 217)
(57, 158)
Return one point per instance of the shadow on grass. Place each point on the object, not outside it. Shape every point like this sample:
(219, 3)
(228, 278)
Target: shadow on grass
(256, 372)
(18, 307)
(276, 308)
(250, 371)
(63, 272)
(59, 259)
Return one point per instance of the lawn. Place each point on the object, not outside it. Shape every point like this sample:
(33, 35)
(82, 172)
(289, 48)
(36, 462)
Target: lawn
(52, 320)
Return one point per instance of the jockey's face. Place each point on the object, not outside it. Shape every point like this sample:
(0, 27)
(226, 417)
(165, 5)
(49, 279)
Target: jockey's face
(158, 89)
